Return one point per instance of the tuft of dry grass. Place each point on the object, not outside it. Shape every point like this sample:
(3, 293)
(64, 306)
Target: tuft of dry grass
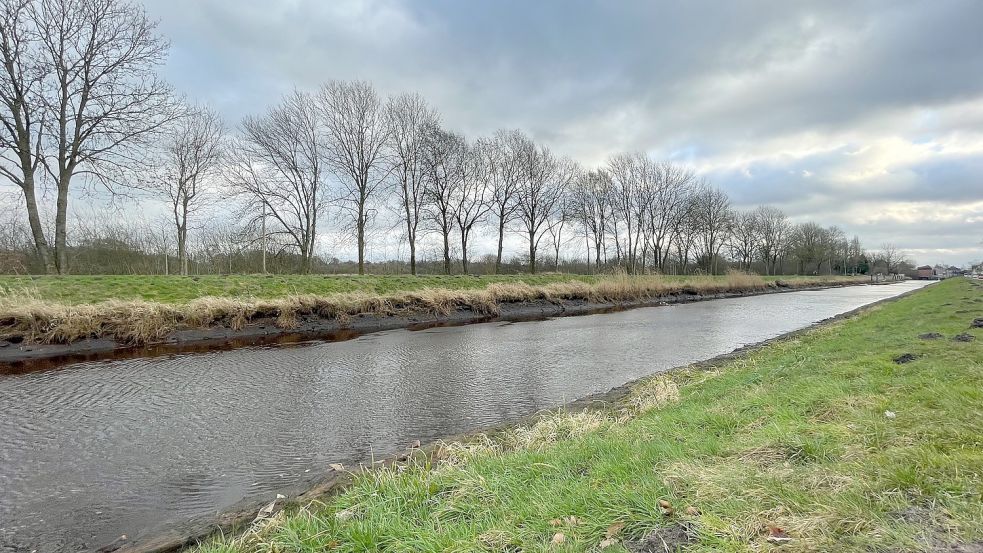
(651, 394)
(25, 317)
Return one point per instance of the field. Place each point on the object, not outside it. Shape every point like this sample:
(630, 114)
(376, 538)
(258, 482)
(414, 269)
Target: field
(177, 289)
(861, 435)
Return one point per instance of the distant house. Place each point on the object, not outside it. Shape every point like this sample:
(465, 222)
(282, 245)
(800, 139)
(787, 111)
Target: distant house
(926, 272)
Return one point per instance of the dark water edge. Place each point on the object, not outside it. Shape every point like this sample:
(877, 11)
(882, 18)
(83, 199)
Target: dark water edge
(24, 358)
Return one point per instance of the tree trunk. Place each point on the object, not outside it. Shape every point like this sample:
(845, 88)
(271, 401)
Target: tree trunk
(532, 253)
(410, 231)
(37, 231)
(412, 257)
(597, 254)
(182, 253)
(61, 224)
(501, 239)
(464, 251)
(361, 243)
(447, 252)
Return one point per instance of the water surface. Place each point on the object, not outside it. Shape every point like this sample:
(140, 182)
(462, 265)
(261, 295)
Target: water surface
(96, 450)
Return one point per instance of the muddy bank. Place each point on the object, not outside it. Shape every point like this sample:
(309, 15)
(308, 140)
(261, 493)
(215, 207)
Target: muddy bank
(26, 357)
(333, 481)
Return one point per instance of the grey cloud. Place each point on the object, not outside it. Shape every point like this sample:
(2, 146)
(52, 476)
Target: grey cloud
(699, 82)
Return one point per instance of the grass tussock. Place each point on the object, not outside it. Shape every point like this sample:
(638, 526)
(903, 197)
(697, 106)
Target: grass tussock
(26, 316)
(821, 442)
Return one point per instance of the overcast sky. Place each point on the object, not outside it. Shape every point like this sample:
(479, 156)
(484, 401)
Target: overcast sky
(867, 115)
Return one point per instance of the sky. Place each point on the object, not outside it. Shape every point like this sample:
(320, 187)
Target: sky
(866, 115)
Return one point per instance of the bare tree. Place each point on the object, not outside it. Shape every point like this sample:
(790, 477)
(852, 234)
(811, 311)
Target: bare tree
(105, 102)
(23, 112)
(276, 166)
(629, 175)
(745, 238)
(410, 118)
(712, 217)
(191, 153)
(358, 133)
(591, 205)
(776, 232)
(890, 256)
(443, 153)
(505, 161)
(539, 195)
(686, 233)
(810, 243)
(555, 225)
(673, 186)
(80, 96)
(470, 197)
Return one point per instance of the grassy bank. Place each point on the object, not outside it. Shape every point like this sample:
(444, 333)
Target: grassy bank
(832, 441)
(82, 289)
(143, 309)
(85, 289)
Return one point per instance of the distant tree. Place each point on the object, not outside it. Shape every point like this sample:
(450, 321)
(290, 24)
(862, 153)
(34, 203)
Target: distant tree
(192, 152)
(505, 158)
(444, 151)
(410, 118)
(890, 256)
(776, 232)
(276, 166)
(540, 193)
(357, 133)
(470, 199)
(591, 203)
(564, 213)
(810, 244)
(668, 200)
(712, 218)
(745, 237)
(630, 176)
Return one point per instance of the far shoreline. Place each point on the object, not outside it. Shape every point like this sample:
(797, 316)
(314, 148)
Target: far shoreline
(19, 358)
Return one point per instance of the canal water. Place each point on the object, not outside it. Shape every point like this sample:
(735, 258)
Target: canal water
(95, 450)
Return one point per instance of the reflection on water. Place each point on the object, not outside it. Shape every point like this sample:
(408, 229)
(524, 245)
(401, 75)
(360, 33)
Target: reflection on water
(101, 449)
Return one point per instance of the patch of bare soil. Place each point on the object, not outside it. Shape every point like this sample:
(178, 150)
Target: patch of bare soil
(667, 539)
(977, 322)
(930, 336)
(964, 337)
(975, 547)
(905, 358)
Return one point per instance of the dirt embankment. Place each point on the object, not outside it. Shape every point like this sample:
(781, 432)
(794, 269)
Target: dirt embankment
(34, 348)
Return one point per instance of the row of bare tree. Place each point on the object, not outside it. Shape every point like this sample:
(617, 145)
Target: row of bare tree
(760, 240)
(395, 156)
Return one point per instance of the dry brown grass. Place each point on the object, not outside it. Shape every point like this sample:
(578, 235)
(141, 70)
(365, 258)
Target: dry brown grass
(24, 317)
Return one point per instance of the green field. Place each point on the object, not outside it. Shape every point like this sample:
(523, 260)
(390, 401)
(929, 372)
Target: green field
(824, 439)
(177, 289)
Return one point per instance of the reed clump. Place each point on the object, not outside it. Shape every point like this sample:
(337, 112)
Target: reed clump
(24, 317)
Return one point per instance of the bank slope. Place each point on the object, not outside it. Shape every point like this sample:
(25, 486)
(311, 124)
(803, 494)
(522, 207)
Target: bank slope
(861, 435)
(30, 316)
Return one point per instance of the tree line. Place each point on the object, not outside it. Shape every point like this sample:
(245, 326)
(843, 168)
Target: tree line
(82, 105)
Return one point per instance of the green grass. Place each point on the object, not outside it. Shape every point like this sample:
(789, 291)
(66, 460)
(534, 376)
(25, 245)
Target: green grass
(794, 435)
(82, 289)
(178, 289)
